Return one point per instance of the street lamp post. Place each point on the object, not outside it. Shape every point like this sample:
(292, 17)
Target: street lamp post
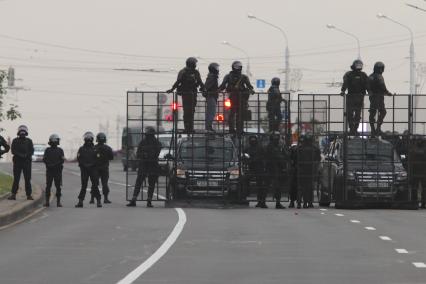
(330, 26)
(241, 50)
(287, 51)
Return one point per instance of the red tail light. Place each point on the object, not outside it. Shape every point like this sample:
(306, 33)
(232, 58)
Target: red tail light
(220, 118)
(227, 103)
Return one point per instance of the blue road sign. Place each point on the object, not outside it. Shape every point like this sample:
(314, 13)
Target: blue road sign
(260, 84)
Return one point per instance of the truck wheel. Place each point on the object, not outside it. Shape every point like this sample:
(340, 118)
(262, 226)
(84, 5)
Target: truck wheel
(125, 168)
(323, 200)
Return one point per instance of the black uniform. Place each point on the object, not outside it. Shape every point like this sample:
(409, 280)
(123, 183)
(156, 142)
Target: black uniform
(22, 150)
(356, 82)
(211, 94)
(239, 88)
(293, 175)
(86, 157)
(377, 100)
(276, 161)
(417, 168)
(148, 151)
(104, 154)
(5, 146)
(54, 160)
(308, 156)
(187, 82)
(273, 106)
(256, 167)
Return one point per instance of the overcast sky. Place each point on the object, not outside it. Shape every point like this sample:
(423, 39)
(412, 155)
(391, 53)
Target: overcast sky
(65, 51)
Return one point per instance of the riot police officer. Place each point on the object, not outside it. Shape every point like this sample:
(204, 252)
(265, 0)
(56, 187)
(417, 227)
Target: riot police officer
(256, 169)
(356, 82)
(417, 168)
(104, 154)
(377, 100)
(187, 82)
(148, 151)
(308, 157)
(86, 157)
(54, 159)
(238, 87)
(211, 94)
(275, 163)
(4, 145)
(293, 176)
(273, 105)
(22, 150)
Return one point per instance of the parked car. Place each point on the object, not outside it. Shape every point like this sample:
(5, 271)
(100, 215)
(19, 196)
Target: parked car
(38, 152)
(206, 165)
(371, 171)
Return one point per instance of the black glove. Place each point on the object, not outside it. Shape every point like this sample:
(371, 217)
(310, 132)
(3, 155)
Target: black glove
(252, 92)
(169, 91)
(342, 93)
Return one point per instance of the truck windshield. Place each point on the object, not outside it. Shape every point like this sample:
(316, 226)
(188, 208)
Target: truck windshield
(370, 151)
(206, 150)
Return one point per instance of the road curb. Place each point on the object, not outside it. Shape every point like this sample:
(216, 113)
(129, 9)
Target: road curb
(22, 209)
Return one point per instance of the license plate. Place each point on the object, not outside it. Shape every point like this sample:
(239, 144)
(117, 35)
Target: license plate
(204, 183)
(378, 184)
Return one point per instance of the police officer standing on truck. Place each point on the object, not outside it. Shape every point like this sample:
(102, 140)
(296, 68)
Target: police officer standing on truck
(239, 88)
(104, 154)
(22, 150)
(275, 163)
(54, 159)
(147, 154)
(356, 83)
(377, 100)
(273, 105)
(211, 94)
(308, 157)
(86, 157)
(187, 83)
(256, 166)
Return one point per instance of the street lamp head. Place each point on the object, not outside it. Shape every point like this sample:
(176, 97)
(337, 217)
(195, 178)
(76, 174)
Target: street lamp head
(330, 26)
(381, 16)
(251, 16)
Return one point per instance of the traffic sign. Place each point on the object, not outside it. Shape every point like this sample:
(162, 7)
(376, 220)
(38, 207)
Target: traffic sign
(260, 83)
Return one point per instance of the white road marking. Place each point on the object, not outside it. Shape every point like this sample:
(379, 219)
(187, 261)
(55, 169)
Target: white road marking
(323, 209)
(419, 264)
(355, 221)
(385, 238)
(161, 251)
(338, 214)
(401, 251)
(322, 213)
(370, 228)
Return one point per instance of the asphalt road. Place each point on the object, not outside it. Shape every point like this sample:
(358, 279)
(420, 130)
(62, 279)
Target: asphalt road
(103, 245)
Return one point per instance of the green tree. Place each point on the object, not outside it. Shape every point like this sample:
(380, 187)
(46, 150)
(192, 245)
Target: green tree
(9, 112)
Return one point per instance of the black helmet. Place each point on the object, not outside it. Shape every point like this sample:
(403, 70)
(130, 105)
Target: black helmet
(237, 66)
(101, 137)
(191, 62)
(357, 65)
(88, 137)
(275, 81)
(214, 68)
(379, 67)
(54, 139)
(253, 140)
(275, 137)
(308, 137)
(22, 130)
(149, 130)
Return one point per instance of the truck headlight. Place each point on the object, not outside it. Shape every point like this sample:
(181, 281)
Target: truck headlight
(350, 175)
(234, 173)
(180, 173)
(401, 176)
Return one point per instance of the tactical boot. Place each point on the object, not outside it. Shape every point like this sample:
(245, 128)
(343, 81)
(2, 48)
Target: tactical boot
(263, 205)
(278, 205)
(291, 205)
(92, 200)
(299, 205)
(132, 203)
(99, 202)
(79, 204)
(58, 202)
(12, 197)
(46, 204)
(423, 205)
(311, 205)
(106, 200)
(379, 130)
(29, 197)
(259, 204)
(149, 204)
(305, 205)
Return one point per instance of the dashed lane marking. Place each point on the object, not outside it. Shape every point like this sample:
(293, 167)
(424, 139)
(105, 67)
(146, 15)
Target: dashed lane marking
(338, 214)
(323, 209)
(401, 251)
(370, 228)
(322, 213)
(419, 264)
(385, 238)
(355, 221)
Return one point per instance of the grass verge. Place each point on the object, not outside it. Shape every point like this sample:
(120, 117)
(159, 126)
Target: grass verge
(5, 183)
